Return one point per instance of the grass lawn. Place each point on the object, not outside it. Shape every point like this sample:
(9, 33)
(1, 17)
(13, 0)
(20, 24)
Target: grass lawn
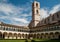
(8, 40)
(34, 40)
(46, 40)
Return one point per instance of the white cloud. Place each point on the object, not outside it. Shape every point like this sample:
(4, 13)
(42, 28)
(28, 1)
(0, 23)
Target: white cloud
(17, 16)
(9, 9)
(14, 14)
(5, 8)
(21, 20)
(4, 1)
(44, 12)
(55, 9)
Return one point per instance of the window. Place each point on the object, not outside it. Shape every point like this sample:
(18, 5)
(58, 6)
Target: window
(37, 11)
(6, 28)
(10, 29)
(3, 27)
(36, 4)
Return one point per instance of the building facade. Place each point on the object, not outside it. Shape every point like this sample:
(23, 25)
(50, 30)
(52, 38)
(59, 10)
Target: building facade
(48, 28)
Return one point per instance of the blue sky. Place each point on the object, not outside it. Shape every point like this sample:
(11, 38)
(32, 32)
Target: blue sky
(18, 12)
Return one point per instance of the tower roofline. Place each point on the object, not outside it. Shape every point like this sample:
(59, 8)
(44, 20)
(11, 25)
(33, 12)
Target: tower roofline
(35, 1)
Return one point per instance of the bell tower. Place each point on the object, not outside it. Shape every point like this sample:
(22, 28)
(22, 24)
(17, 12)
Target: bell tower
(35, 13)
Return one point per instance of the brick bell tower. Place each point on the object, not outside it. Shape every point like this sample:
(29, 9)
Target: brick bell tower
(35, 13)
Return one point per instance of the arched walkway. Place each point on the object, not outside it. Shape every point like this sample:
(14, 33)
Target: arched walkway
(38, 36)
(15, 36)
(10, 36)
(34, 36)
(22, 36)
(5, 35)
(42, 35)
(0, 35)
(57, 34)
(51, 35)
(47, 35)
(31, 36)
(26, 36)
(19, 36)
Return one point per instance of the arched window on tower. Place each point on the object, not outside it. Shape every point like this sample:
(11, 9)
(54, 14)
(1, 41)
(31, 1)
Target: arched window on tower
(36, 4)
(37, 11)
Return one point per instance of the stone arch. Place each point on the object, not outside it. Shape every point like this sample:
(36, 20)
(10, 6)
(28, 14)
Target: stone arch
(0, 35)
(10, 35)
(38, 36)
(26, 36)
(57, 36)
(30, 36)
(34, 36)
(22, 35)
(47, 35)
(51, 35)
(42, 35)
(5, 34)
(56, 33)
(19, 35)
(15, 36)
